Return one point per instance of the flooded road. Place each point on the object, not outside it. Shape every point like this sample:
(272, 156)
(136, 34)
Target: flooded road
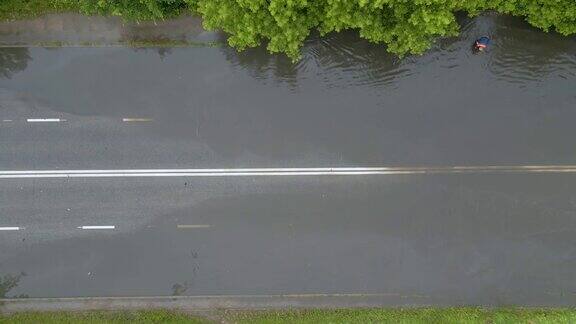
(439, 239)
(346, 103)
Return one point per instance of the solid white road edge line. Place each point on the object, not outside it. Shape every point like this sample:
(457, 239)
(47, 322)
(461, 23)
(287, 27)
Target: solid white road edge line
(285, 171)
(316, 169)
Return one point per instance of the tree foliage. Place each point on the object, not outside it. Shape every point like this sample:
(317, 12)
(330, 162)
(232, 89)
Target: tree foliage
(405, 26)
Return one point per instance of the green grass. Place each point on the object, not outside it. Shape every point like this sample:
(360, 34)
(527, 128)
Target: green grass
(143, 317)
(466, 315)
(22, 9)
(416, 315)
(133, 10)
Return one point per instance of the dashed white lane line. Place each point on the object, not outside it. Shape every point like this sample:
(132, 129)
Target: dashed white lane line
(136, 119)
(192, 226)
(97, 227)
(10, 228)
(6, 120)
(45, 120)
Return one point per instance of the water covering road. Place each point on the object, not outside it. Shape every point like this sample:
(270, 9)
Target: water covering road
(440, 238)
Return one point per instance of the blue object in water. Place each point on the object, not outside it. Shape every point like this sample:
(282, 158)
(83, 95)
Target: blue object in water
(481, 43)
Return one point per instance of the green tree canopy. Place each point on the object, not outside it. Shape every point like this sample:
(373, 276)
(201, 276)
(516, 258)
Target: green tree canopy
(405, 26)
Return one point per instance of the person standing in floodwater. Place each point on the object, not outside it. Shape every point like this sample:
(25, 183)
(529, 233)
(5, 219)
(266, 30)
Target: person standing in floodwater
(481, 44)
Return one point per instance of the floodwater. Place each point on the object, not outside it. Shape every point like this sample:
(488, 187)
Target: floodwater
(481, 239)
(346, 102)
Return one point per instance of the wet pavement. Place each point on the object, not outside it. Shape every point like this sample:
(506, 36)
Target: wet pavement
(460, 239)
(445, 239)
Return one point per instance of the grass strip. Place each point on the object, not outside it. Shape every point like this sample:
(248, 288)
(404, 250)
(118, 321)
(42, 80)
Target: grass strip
(23, 9)
(466, 315)
(108, 317)
(460, 315)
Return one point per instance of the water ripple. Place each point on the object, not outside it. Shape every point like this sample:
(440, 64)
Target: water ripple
(520, 55)
(344, 59)
(523, 55)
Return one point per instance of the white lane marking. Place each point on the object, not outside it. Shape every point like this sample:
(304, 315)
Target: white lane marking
(192, 226)
(45, 120)
(14, 228)
(96, 227)
(286, 171)
(6, 120)
(136, 119)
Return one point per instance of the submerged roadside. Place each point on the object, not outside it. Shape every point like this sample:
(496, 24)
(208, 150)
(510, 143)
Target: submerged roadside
(76, 30)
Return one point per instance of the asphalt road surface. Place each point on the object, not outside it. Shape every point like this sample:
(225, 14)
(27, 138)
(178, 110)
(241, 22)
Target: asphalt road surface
(104, 187)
